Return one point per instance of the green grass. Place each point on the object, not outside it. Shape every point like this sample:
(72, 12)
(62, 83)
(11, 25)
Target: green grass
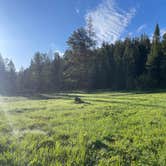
(108, 129)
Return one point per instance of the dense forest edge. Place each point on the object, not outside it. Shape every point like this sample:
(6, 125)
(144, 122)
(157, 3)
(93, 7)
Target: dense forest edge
(137, 63)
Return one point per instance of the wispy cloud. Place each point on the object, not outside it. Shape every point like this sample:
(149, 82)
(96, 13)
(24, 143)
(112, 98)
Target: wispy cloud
(77, 10)
(110, 21)
(140, 28)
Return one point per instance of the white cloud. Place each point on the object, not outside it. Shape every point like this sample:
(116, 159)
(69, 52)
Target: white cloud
(109, 21)
(130, 34)
(51, 53)
(59, 52)
(163, 31)
(77, 10)
(140, 28)
(54, 49)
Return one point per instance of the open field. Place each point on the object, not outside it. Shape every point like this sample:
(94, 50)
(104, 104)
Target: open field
(108, 129)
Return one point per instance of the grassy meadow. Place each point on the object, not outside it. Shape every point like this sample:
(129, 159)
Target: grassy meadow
(108, 129)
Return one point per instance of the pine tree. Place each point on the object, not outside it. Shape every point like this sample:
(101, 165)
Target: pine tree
(154, 59)
(2, 74)
(163, 62)
(80, 42)
(57, 72)
(78, 59)
(164, 44)
(90, 31)
(119, 65)
(11, 78)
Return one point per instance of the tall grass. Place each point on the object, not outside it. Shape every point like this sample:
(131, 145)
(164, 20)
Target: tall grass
(107, 129)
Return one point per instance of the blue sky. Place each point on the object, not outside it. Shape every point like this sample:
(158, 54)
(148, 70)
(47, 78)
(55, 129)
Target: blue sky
(28, 26)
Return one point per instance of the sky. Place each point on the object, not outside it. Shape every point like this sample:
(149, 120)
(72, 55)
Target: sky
(28, 26)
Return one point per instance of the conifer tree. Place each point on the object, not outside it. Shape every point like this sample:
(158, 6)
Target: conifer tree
(163, 62)
(154, 59)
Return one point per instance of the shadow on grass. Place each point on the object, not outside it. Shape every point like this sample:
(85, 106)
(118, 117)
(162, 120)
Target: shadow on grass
(125, 92)
(129, 103)
(23, 110)
(51, 96)
(73, 94)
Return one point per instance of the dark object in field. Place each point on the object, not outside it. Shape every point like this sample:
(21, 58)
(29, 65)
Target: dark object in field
(78, 100)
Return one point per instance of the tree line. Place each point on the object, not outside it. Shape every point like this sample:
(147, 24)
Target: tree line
(133, 63)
